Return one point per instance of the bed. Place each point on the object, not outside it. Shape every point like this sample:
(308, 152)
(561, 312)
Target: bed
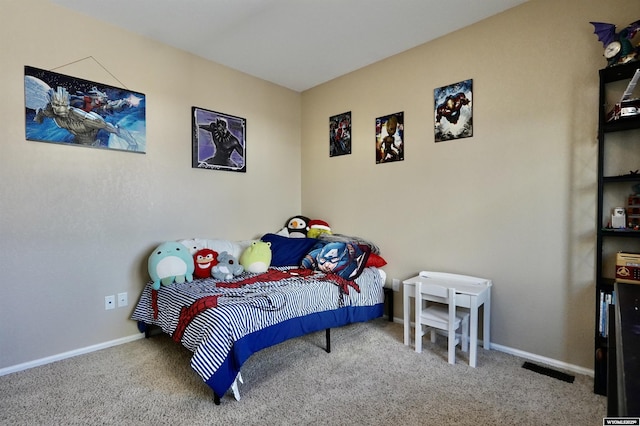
(224, 322)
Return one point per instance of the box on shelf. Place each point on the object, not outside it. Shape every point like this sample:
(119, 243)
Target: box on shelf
(628, 267)
(634, 200)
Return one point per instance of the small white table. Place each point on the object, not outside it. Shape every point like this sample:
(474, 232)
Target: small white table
(472, 293)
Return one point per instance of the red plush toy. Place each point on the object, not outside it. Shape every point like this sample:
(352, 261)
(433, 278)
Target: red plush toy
(204, 260)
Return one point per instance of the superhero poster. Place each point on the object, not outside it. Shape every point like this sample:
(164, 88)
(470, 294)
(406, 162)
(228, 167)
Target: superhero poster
(72, 111)
(340, 134)
(390, 138)
(219, 141)
(453, 111)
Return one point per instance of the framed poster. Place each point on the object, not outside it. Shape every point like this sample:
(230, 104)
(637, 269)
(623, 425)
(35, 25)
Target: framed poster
(340, 134)
(453, 111)
(68, 110)
(219, 141)
(390, 138)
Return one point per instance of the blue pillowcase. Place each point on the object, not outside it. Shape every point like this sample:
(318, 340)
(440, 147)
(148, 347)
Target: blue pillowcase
(287, 251)
(346, 260)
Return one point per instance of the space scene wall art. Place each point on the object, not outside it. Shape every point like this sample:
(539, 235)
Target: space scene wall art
(453, 111)
(219, 141)
(72, 111)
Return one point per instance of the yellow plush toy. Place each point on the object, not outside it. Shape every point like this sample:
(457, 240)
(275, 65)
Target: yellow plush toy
(318, 227)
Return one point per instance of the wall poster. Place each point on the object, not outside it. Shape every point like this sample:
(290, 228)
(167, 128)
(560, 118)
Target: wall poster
(68, 110)
(453, 111)
(219, 141)
(340, 134)
(390, 138)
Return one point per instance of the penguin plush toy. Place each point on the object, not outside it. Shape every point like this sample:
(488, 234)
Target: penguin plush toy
(298, 226)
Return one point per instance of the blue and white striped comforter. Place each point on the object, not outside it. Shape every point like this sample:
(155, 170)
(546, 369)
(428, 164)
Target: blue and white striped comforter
(254, 316)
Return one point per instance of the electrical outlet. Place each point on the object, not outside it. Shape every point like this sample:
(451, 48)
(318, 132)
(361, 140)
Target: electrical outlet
(123, 300)
(109, 302)
(395, 284)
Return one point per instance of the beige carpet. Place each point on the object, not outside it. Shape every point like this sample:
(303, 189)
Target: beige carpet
(370, 378)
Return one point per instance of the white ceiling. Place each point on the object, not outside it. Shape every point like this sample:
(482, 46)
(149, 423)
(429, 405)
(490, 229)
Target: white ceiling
(297, 44)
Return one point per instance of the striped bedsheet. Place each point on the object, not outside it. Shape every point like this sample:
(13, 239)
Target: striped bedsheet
(224, 323)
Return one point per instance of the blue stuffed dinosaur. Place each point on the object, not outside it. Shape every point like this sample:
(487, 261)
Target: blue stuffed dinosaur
(169, 262)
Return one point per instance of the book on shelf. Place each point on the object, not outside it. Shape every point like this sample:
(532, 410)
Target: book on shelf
(606, 299)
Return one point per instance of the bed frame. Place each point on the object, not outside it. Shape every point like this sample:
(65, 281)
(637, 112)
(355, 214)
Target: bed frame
(219, 356)
(151, 330)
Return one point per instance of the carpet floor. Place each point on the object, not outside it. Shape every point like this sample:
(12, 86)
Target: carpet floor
(369, 378)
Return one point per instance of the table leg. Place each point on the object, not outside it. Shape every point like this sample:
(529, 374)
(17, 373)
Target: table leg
(473, 332)
(405, 310)
(486, 337)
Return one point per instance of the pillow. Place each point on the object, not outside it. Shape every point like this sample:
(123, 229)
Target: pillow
(287, 251)
(346, 260)
(349, 239)
(376, 260)
(234, 248)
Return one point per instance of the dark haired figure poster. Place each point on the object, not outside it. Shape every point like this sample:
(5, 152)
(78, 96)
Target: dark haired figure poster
(453, 111)
(340, 134)
(68, 110)
(390, 138)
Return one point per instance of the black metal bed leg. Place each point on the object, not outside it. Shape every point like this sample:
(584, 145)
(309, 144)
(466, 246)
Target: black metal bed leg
(388, 297)
(328, 338)
(216, 399)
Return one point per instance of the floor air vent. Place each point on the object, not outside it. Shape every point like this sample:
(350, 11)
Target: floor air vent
(549, 372)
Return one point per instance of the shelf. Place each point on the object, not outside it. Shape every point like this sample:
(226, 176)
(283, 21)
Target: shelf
(624, 123)
(623, 232)
(619, 153)
(606, 284)
(621, 178)
(618, 72)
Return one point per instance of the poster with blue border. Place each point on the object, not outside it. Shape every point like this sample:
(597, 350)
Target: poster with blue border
(72, 111)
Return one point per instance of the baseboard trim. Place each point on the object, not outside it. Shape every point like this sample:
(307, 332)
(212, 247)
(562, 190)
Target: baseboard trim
(532, 357)
(544, 360)
(70, 354)
(506, 349)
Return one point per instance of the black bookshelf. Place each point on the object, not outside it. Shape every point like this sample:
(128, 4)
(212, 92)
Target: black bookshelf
(607, 239)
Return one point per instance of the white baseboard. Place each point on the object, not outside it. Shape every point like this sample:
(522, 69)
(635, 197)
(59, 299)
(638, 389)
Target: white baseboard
(527, 355)
(544, 360)
(70, 354)
(531, 357)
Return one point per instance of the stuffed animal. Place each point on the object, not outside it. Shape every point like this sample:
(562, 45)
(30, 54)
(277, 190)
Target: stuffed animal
(169, 262)
(226, 268)
(203, 261)
(318, 227)
(298, 226)
(257, 257)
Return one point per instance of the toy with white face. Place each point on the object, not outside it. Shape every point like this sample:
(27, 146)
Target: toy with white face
(204, 260)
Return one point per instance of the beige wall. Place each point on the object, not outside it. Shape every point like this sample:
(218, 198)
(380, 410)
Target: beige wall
(77, 224)
(514, 203)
